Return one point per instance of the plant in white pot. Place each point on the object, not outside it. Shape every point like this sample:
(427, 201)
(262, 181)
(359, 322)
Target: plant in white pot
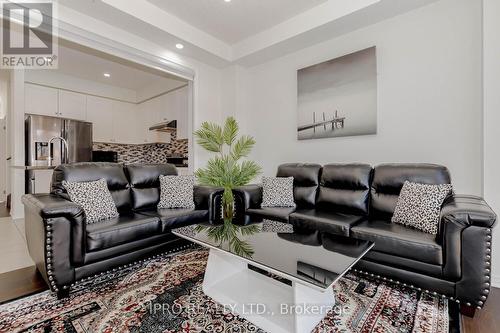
(226, 169)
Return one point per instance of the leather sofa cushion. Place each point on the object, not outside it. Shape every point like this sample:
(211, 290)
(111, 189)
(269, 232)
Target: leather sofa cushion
(109, 256)
(145, 183)
(345, 188)
(398, 240)
(123, 229)
(113, 173)
(252, 194)
(177, 217)
(326, 221)
(388, 179)
(273, 213)
(305, 181)
(404, 263)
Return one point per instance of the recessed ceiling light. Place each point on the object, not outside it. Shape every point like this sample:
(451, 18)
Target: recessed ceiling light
(179, 46)
(107, 75)
(227, 0)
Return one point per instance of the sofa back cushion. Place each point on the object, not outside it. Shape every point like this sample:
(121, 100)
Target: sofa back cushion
(145, 183)
(388, 179)
(305, 181)
(113, 173)
(345, 188)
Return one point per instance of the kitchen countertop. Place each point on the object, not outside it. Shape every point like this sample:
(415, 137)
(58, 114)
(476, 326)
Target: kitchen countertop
(33, 167)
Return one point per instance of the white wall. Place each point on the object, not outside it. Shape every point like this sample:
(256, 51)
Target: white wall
(3, 160)
(16, 132)
(429, 96)
(4, 106)
(491, 120)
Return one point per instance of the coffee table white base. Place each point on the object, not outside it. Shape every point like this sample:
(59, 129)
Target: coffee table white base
(261, 299)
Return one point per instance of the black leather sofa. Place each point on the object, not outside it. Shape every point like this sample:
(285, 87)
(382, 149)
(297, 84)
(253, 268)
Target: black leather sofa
(357, 200)
(65, 249)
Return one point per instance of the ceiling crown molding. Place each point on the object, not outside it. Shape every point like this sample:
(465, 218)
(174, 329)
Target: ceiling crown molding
(146, 23)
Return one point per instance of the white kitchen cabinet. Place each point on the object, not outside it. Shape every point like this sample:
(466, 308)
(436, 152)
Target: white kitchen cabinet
(100, 114)
(40, 100)
(125, 126)
(148, 115)
(41, 180)
(174, 106)
(72, 105)
(166, 105)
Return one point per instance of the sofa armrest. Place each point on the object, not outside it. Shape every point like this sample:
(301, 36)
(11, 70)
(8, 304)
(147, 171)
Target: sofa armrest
(465, 234)
(55, 229)
(468, 210)
(252, 194)
(51, 206)
(202, 195)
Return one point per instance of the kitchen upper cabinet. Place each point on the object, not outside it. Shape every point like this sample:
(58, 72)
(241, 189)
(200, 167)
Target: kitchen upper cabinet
(174, 106)
(147, 115)
(125, 125)
(72, 105)
(100, 114)
(40, 100)
(167, 106)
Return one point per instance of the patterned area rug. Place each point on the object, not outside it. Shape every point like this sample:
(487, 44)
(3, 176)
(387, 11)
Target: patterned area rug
(165, 295)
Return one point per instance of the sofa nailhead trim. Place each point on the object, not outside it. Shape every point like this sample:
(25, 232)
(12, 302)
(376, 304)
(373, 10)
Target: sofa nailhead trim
(479, 302)
(48, 260)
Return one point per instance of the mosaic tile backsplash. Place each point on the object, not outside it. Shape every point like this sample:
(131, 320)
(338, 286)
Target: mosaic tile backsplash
(146, 153)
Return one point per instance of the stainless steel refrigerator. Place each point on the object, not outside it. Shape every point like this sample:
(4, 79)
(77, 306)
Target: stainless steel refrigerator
(39, 130)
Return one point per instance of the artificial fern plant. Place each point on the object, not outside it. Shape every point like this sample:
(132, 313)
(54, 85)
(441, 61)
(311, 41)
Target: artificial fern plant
(226, 169)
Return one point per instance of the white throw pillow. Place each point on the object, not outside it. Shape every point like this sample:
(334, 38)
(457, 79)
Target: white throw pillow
(277, 192)
(95, 199)
(176, 192)
(419, 206)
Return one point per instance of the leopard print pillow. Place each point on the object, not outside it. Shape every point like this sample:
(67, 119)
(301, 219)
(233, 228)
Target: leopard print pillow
(176, 192)
(419, 206)
(277, 192)
(95, 199)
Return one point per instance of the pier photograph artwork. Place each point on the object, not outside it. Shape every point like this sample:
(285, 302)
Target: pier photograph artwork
(338, 97)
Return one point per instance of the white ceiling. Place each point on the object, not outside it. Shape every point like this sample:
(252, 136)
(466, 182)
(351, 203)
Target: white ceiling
(89, 64)
(234, 21)
(245, 32)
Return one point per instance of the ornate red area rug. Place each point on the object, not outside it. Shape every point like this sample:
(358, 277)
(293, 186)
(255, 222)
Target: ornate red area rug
(165, 295)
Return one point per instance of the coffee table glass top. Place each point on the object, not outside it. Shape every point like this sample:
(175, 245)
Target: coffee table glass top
(311, 257)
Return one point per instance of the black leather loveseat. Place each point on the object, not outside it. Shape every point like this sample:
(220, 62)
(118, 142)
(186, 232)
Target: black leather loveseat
(357, 200)
(65, 249)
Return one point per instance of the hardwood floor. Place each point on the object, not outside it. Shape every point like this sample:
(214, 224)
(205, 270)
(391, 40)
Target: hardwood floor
(486, 320)
(27, 281)
(19, 283)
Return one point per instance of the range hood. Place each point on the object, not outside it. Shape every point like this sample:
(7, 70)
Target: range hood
(166, 126)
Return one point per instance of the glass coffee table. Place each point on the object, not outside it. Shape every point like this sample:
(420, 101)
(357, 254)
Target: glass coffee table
(276, 276)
